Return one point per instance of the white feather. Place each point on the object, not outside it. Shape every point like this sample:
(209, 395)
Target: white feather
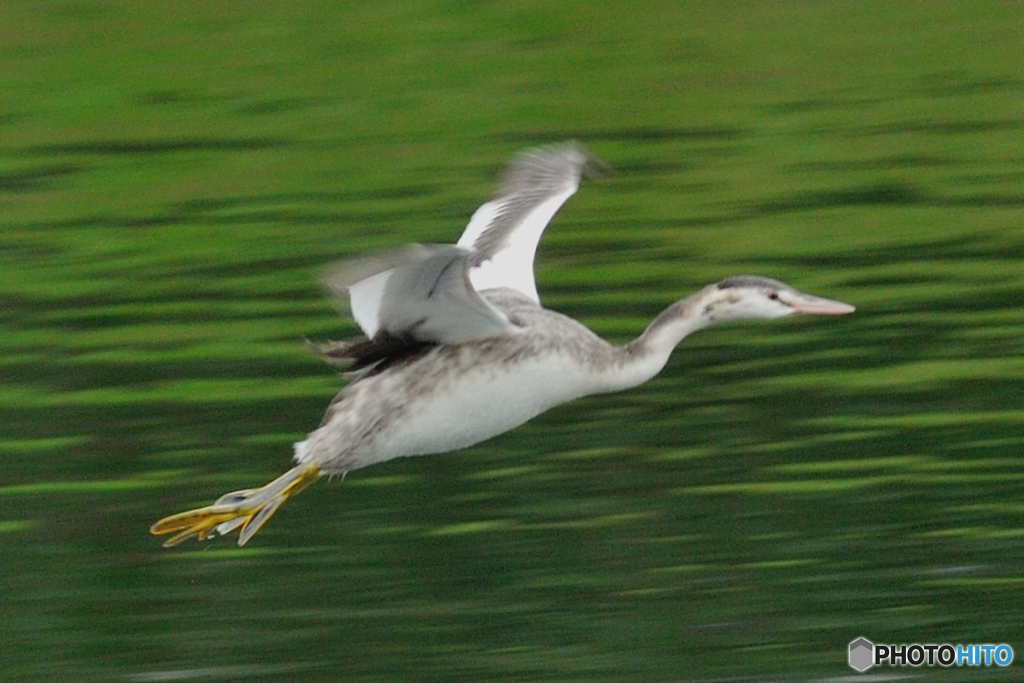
(512, 265)
(365, 299)
(478, 222)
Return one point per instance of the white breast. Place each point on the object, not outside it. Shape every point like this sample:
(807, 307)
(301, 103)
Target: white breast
(480, 405)
(427, 413)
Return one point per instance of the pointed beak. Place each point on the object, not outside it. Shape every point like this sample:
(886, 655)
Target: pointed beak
(816, 305)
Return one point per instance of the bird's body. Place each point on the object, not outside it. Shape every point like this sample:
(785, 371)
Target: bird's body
(447, 397)
(459, 349)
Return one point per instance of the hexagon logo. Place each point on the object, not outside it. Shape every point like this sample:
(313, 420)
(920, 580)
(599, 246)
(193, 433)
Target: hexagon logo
(862, 654)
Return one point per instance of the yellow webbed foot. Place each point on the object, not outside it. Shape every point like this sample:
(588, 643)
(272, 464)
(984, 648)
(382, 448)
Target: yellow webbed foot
(249, 509)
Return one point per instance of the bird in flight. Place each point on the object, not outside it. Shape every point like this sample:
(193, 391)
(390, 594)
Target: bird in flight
(458, 348)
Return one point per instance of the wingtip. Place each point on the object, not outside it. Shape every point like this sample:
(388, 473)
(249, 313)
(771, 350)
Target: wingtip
(595, 167)
(558, 162)
(589, 164)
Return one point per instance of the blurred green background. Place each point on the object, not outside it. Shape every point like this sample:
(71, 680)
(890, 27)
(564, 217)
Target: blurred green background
(174, 177)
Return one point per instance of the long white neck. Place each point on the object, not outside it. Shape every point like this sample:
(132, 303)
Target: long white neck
(645, 356)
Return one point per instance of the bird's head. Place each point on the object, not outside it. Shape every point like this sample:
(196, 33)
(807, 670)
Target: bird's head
(753, 297)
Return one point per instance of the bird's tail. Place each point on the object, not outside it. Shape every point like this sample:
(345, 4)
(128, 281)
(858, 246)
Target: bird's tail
(249, 509)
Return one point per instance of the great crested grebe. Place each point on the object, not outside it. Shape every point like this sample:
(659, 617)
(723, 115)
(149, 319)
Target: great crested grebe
(458, 348)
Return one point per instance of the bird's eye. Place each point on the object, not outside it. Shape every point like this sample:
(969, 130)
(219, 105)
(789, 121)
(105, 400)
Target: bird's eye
(774, 296)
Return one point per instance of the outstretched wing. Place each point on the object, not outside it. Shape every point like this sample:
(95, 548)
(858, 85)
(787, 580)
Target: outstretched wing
(504, 232)
(417, 295)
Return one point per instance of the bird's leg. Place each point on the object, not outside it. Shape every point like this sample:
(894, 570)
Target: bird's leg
(248, 509)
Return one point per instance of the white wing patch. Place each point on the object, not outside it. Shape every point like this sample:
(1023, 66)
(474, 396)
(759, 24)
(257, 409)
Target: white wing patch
(505, 231)
(479, 221)
(512, 265)
(365, 298)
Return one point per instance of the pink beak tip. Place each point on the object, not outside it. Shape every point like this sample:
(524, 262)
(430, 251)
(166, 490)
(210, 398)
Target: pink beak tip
(824, 307)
